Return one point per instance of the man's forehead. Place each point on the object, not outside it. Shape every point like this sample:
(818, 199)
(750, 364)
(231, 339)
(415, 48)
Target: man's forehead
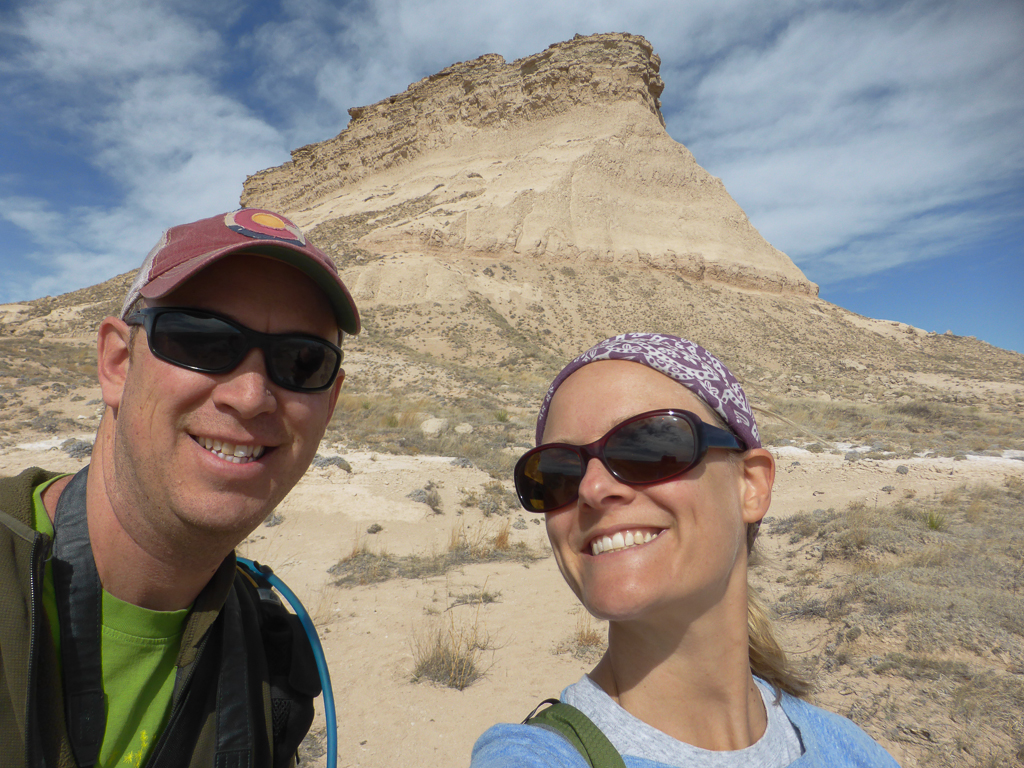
(250, 286)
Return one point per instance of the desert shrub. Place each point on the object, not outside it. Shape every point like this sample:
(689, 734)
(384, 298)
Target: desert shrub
(322, 462)
(449, 654)
(77, 449)
(428, 495)
(477, 597)
(803, 524)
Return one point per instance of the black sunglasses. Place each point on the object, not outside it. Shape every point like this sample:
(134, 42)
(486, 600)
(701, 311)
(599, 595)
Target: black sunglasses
(209, 343)
(644, 449)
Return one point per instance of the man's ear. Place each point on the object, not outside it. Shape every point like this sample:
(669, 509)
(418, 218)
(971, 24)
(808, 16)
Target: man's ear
(113, 358)
(758, 478)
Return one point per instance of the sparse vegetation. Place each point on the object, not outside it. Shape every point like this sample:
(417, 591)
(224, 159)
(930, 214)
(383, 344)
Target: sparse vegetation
(365, 566)
(937, 582)
(891, 429)
(392, 424)
(491, 499)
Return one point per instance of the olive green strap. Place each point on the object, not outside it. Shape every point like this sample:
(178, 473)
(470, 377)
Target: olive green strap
(580, 731)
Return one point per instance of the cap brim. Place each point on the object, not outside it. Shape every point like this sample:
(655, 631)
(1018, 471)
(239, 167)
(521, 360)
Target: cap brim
(337, 293)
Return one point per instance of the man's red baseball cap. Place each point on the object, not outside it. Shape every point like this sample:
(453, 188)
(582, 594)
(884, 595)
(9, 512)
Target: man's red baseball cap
(187, 249)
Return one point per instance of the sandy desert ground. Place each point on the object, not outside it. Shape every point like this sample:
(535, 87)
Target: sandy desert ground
(520, 611)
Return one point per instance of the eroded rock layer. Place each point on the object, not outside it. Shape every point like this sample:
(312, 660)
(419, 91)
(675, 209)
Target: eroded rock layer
(558, 156)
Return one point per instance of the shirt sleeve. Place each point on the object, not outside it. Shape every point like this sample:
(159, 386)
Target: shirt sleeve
(833, 741)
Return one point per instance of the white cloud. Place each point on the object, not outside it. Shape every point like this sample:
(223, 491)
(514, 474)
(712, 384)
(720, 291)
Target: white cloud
(80, 41)
(844, 133)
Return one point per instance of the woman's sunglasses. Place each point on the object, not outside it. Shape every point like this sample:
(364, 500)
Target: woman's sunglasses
(209, 343)
(644, 449)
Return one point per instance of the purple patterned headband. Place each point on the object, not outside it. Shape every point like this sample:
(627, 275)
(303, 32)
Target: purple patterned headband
(684, 361)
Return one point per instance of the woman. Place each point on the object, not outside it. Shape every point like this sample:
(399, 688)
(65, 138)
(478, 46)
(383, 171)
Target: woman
(653, 482)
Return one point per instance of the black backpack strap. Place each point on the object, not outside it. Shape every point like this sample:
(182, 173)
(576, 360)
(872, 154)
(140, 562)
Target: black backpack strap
(293, 676)
(579, 730)
(235, 727)
(79, 608)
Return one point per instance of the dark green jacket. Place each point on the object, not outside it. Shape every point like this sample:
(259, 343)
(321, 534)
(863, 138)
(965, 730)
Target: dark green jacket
(32, 729)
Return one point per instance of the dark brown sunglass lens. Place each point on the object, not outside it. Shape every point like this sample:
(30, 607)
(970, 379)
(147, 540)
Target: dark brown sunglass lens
(549, 479)
(651, 449)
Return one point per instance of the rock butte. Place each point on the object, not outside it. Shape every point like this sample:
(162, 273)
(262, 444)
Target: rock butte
(560, 156)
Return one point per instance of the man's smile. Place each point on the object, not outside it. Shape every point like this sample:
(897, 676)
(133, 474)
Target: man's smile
(236, 454)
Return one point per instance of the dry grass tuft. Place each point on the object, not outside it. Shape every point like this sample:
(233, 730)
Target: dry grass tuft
(502, 539)
(587, 642)
(449, 654)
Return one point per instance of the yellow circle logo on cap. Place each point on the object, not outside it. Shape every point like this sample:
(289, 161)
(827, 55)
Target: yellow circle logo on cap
(268, 220)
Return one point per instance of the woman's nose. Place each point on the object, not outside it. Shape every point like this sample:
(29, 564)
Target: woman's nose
(599, 487)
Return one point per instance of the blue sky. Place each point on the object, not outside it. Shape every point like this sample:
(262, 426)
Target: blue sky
(879, 144)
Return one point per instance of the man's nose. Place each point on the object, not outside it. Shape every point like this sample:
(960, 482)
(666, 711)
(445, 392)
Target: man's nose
(247, 389)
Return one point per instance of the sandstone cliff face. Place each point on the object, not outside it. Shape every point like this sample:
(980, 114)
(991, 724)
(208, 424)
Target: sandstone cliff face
(558, 156)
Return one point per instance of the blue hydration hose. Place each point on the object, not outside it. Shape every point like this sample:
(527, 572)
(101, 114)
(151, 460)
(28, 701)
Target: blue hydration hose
(272, 578)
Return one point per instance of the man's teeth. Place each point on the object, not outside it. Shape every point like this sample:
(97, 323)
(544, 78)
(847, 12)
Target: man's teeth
(620, 540)
(237, 454)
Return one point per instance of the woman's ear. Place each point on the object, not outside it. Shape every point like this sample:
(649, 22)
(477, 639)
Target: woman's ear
(113, 358)
(758, 478)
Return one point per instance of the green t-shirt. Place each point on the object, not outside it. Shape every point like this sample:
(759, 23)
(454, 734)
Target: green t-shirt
(138, 650)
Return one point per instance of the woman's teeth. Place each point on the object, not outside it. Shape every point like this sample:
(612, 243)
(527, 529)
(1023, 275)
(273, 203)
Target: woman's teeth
(621, 540)
(236, 454)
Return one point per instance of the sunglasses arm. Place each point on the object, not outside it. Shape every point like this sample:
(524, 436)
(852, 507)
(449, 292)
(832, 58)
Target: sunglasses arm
(720, 438)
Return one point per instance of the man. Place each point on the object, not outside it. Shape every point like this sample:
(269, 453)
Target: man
(127, 637)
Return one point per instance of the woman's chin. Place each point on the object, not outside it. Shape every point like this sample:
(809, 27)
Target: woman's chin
(618, 607)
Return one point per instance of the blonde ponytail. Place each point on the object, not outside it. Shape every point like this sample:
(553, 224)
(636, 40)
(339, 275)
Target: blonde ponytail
(767, 659)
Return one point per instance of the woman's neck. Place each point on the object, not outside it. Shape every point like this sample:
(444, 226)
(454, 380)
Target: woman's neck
(691, 681)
